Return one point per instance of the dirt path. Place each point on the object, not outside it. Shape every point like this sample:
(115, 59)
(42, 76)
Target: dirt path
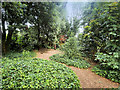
(87, 78)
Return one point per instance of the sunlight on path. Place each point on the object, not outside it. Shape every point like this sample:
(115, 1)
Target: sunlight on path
(87, 78)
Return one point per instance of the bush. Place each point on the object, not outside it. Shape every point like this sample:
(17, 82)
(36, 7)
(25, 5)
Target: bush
(72, 55)
(109, 66)
(71, 49)
(23, 54)
(25, 72)
(113, 75)
(80, 63)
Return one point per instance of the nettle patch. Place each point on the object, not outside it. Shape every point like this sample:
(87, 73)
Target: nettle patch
(36, 73)
(80, 63)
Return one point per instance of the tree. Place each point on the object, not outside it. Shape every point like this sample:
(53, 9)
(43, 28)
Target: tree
(0, 31)
(10, 12)
(45, 17)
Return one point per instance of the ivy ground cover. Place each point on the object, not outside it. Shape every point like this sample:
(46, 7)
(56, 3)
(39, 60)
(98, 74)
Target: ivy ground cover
(26, 72)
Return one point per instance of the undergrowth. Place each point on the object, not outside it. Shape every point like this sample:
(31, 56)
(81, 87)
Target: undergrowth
(109, 66)
(20, 70)
(79, 63)
(113, 75)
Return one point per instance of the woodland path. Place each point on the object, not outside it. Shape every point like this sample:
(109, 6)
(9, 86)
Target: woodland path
(88, 79)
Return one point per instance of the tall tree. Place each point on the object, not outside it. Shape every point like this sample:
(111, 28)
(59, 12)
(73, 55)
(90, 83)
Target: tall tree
(12, 13)
(45, 17)
(0, 31)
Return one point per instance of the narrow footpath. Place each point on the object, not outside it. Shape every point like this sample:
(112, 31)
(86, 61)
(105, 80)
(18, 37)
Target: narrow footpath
(88, 79)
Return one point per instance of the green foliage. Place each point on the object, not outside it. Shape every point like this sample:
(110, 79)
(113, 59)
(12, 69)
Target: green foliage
(21, 71)
(46, 24)
(70, 48)
(80, 63)
(102, 28)
(113, 75)
(10, 12)
(109, 66)
(23, 54)
(46, 20)
(81, 46)
(72, 55)
(109, 61)
(27, 39)
(101, 37)
(70, 28)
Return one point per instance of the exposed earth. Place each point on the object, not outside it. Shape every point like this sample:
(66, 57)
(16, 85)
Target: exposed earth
(88, 79)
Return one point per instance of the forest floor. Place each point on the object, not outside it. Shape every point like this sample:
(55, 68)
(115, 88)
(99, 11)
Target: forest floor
(88, 79)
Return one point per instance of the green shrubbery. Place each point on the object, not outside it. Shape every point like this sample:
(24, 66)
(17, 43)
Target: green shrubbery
(71, 49)
(25, 72)
(101, 38)
(80, 63)
(72, 55)
(110, 74)
(109, 66)
(24, 54)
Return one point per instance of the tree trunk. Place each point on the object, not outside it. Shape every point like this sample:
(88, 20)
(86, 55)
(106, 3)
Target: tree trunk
(3, 37)
(55, 46)
(38, 38)
(9, 38)
(0, 43)
(47, 39)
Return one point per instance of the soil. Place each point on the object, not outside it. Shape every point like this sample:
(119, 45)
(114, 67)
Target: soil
(88, 79)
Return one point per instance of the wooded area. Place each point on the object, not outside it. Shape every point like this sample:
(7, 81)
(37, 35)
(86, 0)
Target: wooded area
(47, 21)
(28, 26)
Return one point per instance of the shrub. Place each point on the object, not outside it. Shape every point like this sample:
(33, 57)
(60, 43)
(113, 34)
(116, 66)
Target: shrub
(71, 49)
(72, 55)
(25, 72)
(113, 75)
(80, 63)
(109, 66)
(23, 54)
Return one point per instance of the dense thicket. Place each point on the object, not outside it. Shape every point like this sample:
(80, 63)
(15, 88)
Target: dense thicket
(102, 27)
(101, 37)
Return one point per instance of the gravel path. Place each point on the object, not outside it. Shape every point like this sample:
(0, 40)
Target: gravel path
(87, 78)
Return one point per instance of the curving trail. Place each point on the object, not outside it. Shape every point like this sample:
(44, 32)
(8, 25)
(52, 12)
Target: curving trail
(87, 78)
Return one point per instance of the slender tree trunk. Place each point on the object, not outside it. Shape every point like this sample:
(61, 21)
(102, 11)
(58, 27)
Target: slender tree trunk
(9, 38)
(55, 42)
(38, 38)
(47, 38)
(55, 47)
(3, 37)
(0, 43)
